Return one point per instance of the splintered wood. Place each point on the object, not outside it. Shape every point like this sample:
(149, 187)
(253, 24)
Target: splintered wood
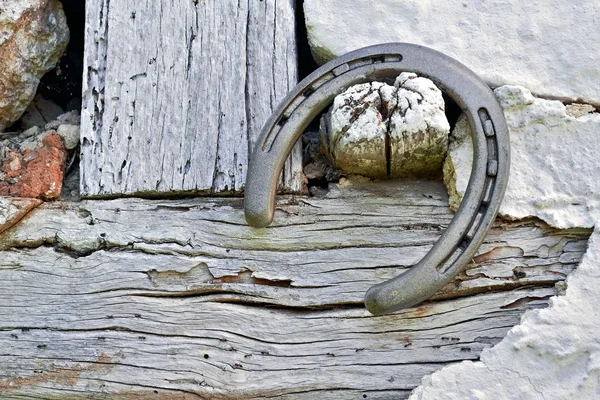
(176, 92)
(140, 299)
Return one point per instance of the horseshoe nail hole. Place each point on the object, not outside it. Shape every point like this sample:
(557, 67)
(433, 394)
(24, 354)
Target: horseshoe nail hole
(308, 92)
(282, 121)
(393, 58)
(322, 80)
(488, 128)
(492, 168)
(361, 62)
(378, 59)
(488, 194)
(341, 69)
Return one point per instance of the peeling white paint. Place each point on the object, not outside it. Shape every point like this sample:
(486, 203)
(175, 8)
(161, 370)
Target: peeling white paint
(555, 163)
(553, 354)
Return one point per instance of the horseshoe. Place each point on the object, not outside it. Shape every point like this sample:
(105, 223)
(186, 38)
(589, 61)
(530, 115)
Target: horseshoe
(491, 157)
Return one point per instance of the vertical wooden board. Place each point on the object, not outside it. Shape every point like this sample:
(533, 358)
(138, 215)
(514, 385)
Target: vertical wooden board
(263, 38)
(175, 93)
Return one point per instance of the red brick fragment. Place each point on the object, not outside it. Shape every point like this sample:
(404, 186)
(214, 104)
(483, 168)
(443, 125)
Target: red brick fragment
(35, 173)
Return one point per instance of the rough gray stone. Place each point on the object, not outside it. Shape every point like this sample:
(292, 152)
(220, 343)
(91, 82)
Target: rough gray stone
(39, 113)
(70, 135)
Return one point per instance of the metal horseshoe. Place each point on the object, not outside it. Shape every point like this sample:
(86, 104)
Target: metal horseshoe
(489, 176)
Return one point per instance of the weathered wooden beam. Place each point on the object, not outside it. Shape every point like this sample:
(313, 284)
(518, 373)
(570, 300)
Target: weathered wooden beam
(115, 344)
(175, 93)
(136, 299)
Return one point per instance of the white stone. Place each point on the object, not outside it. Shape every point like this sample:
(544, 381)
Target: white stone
(33, 131)
(33, 37)
(418, 128)
(555, 162)
(356, 131)
(554, 354)
(410, 114)
(551, 47)
(70, 135)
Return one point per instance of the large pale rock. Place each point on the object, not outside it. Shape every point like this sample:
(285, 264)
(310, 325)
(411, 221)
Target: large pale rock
(554, 354)
(378, 130)
(549, 46)
(355, 130)
(33, 37)
(555, 163)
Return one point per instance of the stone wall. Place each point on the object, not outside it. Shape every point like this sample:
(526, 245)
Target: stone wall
(33, 151)
(33, 37)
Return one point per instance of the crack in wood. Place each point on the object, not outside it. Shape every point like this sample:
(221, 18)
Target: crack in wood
(233, 52)
(189, 302)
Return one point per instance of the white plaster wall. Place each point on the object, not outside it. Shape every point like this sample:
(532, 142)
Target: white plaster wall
(555, 160)
(549, 46)
(555, 175)
(553, 354)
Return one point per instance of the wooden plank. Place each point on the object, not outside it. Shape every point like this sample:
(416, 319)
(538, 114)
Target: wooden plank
(115, 344)
(319, 252)
(175, 93)
(136, 299)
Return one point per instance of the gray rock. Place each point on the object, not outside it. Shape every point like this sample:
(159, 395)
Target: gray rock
(70, 117)
(39, 113)
(70, 135)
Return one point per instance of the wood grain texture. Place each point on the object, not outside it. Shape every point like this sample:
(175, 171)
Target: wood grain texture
(12, 209)
(176, 92)
(136, 299)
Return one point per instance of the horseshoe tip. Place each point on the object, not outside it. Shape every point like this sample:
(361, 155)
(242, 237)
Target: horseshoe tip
(257, 220)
